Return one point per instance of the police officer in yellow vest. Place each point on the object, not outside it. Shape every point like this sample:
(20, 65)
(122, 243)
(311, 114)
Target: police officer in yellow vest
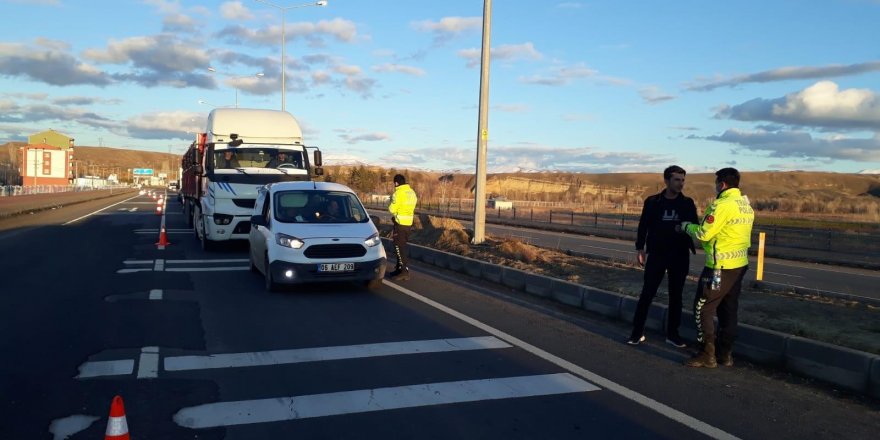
(402, 209)
(725, 233)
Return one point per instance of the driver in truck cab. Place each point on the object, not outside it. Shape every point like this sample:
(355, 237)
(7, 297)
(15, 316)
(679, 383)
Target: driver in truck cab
(283, 157)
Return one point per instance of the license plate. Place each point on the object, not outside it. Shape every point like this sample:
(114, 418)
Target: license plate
(336, 267)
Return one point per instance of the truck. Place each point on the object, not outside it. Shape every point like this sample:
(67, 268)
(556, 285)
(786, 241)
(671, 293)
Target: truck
(240, 151)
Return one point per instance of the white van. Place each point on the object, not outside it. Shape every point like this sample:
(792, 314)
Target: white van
(304, 232)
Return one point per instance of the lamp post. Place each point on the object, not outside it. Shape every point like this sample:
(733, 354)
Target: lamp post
(283, 10)
(482, 130)
(235, 77)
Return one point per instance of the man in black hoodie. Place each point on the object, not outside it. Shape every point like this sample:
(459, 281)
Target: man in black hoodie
(668, 251)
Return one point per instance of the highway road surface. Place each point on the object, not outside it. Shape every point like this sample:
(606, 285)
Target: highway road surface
(92, 308)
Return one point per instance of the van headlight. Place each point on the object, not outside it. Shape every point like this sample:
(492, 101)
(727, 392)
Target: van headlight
(373, 240)
(288, 241)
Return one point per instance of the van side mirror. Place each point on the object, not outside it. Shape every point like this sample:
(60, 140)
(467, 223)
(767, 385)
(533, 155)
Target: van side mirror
(258, 220)
(317, 160)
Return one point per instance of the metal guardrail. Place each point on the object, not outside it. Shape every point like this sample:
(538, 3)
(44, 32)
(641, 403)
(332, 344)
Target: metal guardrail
(18, 190)
(626, 225)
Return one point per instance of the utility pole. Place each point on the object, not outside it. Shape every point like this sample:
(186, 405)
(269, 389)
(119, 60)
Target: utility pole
(482, 130)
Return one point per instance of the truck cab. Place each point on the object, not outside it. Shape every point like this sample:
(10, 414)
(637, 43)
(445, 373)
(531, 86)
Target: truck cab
(241, 151)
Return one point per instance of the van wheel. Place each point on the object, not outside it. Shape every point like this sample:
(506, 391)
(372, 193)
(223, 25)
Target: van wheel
(373, 284)
(271, 285)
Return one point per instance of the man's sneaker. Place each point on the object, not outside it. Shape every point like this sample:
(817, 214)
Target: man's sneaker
(676, 341)
(402, 276)
(636, 341)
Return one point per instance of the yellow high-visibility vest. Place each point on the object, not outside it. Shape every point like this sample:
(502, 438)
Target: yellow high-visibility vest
(726, 230)
(403, 205)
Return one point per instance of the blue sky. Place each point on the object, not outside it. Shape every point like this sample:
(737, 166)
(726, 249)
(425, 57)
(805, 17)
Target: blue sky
(592, 86)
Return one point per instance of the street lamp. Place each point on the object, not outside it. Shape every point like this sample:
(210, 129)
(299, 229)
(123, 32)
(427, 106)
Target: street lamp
(235, 77)
(284, 9)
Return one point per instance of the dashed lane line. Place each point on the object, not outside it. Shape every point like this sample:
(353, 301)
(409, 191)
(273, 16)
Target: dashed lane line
(379, 399)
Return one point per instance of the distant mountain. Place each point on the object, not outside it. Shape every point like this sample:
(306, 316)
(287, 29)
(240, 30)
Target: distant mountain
(874, 171)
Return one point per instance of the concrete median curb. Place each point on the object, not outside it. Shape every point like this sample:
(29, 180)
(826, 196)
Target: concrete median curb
(850, 369)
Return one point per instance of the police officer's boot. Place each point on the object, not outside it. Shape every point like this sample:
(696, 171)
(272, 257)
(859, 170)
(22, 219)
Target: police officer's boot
(725, 356)
(704, 359)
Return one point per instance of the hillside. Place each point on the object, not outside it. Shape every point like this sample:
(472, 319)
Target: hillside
(791, 192)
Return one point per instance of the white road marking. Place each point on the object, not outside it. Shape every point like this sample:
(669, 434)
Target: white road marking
(105, 368)
(156, 294)
(783, 274)
(159, 266)
(627, 393)
(138, 261)
(318, 354)
(133, 209)
(133, 270)
(232, 260)
(62, 429)
(93, 213)
(205, 269)
(148, 364)
(378, 399)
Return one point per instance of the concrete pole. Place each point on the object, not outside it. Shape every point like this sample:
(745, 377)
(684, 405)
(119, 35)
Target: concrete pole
(283, 65)
(483, 130)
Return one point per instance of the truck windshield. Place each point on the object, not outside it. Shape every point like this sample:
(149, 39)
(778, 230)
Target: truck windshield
(257, 156)
(318, 207)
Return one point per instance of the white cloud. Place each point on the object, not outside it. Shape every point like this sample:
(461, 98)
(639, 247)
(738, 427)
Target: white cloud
(178, 23)
(505, 52)
(560, 76)
(786, 73)
(348, 70)
(399, 68)
(338, 29)
(799, 144)
(158, 60)
(821, 105)
(50, 66)
(352, 138)
(236, 11)
(653, 95)
(448, 27)
(165, 125)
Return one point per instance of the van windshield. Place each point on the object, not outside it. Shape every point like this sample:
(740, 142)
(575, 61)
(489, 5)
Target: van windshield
(259, 156)
(315, 206)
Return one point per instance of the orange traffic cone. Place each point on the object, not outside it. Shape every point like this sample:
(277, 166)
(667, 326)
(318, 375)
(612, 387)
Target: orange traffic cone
(159, 210)
(163, 238)
(117, 426)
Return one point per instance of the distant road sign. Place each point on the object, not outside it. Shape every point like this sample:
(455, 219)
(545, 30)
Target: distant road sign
(143, 171)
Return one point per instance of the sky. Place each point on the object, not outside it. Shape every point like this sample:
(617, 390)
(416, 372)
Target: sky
(575, 86)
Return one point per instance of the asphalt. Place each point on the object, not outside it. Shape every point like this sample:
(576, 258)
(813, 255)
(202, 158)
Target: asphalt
(81, 293)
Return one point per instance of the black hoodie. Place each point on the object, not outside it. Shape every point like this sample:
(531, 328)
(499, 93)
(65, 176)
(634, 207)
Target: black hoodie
(657, 224)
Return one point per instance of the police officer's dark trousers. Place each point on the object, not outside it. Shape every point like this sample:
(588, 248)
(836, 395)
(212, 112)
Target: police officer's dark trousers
(658, 264)
(724, 300)
(401, 235)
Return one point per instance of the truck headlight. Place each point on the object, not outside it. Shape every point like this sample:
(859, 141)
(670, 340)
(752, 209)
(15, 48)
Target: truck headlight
(288, 241)
(222, 219)
(373, 240)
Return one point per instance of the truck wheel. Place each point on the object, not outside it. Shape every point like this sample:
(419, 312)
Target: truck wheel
(271, 285)
(199, 229)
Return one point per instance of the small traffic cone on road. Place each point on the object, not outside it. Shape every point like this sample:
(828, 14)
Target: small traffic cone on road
(117, 426)
(159, 210)
(163, 238)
